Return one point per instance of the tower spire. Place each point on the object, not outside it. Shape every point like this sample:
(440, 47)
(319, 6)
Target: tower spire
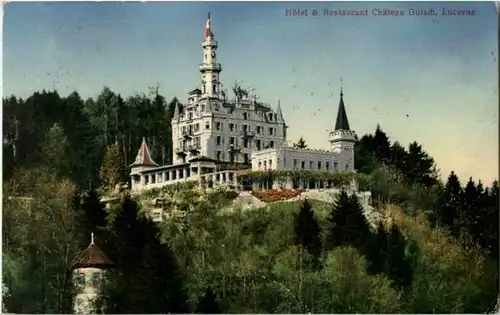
(342, 123)
(91, 238)
(341, 87)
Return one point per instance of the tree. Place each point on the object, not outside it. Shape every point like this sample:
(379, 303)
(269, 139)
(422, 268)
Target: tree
(376, 250)
(421, 168)
(300, 144)
(398, 267)
(382, 145)
(307, 232)
(208, 304)
(148, 278)
(54, 151)
(112, 169)
(450, 201)
(348, 224)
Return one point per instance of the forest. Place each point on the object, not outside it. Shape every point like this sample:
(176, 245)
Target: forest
(435, 251)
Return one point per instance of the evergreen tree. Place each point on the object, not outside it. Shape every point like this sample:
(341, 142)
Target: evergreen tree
(148, 278)
(112, 169)
(421, 168)
(337, 221)
(398, 267)
(348, 224)
(382, 146)
(54, 149)
(300, 144)
(376, 250)
(450, 202)
(307, 231)
(208, 304)
(93, 218)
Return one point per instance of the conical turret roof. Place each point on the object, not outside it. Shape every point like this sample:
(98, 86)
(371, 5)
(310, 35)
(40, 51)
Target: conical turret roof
(342, 123)
(143, 157)
(279, 113)
(92, 256)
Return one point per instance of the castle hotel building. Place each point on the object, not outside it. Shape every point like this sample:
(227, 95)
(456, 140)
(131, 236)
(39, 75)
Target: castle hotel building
(211, 131)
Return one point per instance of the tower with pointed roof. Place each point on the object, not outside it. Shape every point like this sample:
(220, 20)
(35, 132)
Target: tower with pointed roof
(209, 68)
(342, 138)
(143, 162)
(88, 272)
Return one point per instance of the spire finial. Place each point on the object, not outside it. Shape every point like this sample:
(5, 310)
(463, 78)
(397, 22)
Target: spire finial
(209, 15)
(341, 87)
(91, 238)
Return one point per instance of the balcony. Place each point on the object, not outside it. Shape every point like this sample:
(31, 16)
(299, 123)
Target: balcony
(187, 134)
(214, 67)
(247, 134)
(194, 147)
(180, 151)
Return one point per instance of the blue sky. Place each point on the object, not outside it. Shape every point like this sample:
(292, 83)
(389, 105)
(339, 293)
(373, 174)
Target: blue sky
(429, 79)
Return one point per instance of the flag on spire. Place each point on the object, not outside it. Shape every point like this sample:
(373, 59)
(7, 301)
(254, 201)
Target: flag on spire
(208, 31)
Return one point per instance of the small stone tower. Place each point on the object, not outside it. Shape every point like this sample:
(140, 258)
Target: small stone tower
(143, 162)
(88, 272)
(342, 139)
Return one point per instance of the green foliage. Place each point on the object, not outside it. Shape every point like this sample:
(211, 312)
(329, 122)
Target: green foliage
(337, 180)
(113, 168)
(300, 144)
(307, 232)
(347, 223)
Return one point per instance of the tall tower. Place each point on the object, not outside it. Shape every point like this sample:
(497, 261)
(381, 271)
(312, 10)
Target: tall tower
(88, 273)
(209, 68)
(342, 138)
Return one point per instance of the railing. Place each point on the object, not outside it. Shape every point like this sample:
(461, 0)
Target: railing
(247, 134)
(216, 66)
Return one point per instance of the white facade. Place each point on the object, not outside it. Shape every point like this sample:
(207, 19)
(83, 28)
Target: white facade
(225, 130)
(288, 158)
(210, 129)
(88, 282)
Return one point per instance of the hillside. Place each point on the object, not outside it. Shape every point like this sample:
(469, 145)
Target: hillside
(437, 250)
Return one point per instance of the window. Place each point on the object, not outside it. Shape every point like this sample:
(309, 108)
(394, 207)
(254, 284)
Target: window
(295, 162)
(260, 164)
(204, 91)
(79, 278)
(259, 129)
(96, 279)
(190, 116)
(335, 166)
(245, 143)
(257, 144)
(270, 164)
(271, 144)
(245, 116)
(245, 128)
(218, 126)
(246, 158)
(347, 166)
(270, 117)
(265, 165)
(319, 165)
(327, 166)
(302, 165)
(207, 125)
(231, 127)
(311, 165)
(231, 141)
(197, 127)
(219, 155)
(213, 89)
(218, 140)
(270, 131)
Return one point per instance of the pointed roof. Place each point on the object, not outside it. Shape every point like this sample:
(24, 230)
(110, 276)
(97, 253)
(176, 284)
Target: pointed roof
(176, 111)
(92, 256)
(279, 114)
(143, 156)
(342, 123)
